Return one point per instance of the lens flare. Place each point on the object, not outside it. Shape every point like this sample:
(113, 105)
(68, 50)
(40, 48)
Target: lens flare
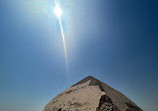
(58, 12)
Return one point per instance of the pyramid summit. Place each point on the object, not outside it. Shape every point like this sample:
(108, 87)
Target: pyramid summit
(91, 94)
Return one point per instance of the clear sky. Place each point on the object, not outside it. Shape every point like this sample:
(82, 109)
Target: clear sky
(115, 41)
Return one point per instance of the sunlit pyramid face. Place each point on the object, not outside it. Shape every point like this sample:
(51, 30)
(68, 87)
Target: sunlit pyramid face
(57, 10)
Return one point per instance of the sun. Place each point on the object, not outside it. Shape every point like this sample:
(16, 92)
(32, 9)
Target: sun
(57, 10)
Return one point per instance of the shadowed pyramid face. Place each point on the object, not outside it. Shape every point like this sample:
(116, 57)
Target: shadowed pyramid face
(91, 94)
(106, 104)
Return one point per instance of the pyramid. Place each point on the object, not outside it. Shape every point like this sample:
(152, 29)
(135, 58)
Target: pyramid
(91, 94)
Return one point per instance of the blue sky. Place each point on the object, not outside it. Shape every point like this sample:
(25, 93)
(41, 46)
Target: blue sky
(114, 41)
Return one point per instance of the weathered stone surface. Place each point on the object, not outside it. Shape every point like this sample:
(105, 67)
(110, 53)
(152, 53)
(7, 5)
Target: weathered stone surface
(91, 94)
(106, 104)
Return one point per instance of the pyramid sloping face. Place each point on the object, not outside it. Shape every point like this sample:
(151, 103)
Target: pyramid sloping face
(91, 94)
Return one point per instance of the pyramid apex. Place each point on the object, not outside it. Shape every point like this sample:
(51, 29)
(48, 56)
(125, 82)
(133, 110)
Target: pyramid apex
(85, 80)
(90, 77)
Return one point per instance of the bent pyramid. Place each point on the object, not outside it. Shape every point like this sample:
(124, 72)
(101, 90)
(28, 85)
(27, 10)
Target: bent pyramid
(91, 94)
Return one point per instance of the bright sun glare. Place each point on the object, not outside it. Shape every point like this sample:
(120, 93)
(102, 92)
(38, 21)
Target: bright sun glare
(57, 10)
